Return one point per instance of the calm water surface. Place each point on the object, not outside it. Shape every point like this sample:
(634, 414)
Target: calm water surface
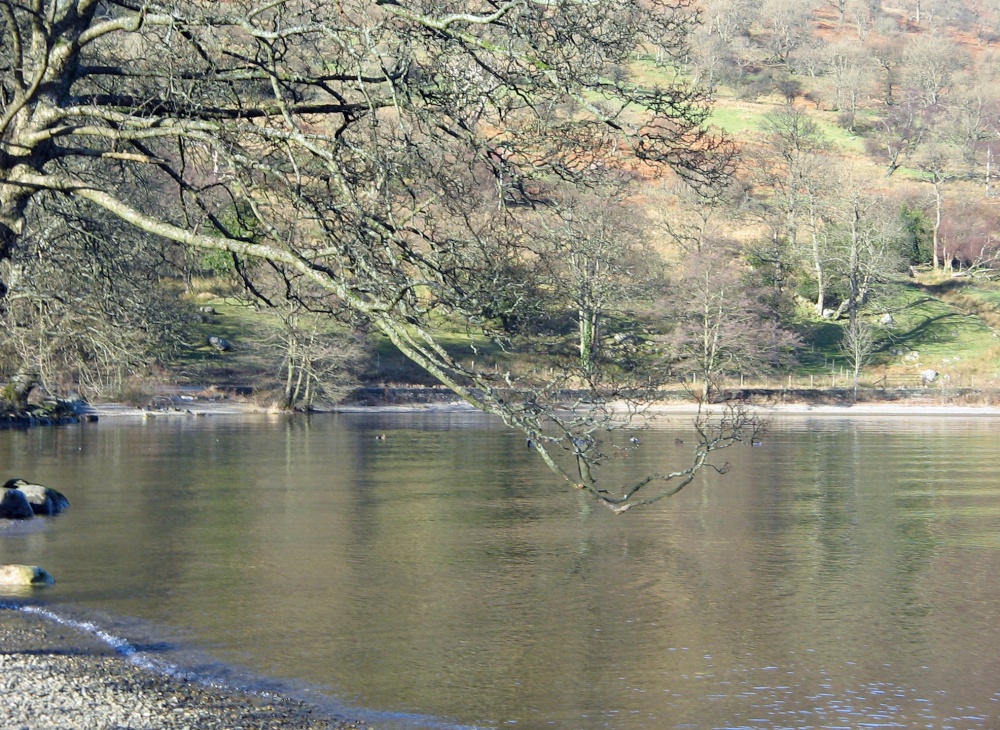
(845, 574)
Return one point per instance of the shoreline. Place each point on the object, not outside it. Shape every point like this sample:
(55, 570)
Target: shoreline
(877, 408)
(54, 677)
(196, 401)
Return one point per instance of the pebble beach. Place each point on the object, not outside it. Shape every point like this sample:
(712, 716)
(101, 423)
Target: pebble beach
(53, 677)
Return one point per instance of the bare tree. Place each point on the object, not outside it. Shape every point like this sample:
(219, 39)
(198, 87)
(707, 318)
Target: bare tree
(928, 64)
(915, 8)
(969, 234)
(864, 14)
(937, 165)
(841, 7)
(316, 363)
(390, 154)
(864, 248)
(787, 26)
(968, 115)
(692, 219)
(900, 132)
(722, 327)
(596, 262)
(86, 309)
(849, 71)
(793, 176)
(730, 18)
(792, 145)
(858, 345)
(887, 52)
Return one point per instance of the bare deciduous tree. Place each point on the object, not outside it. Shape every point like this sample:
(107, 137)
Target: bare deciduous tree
(722, 328)
(858, 346)
(899, 133)
(596, 262)
(864, 249)
(928, 64)
(787, 26)
(388, 153)
(887, 53)
(849, 72)
(793, 175)
(937, 166)
(86, 308)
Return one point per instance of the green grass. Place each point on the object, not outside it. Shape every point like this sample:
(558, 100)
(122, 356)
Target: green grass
(937, 319)
(989, 293)
(739, 122)
(744, 120)
(942, 335)
(247, 363)
(254, 360)
(937, 330)
(389, 365)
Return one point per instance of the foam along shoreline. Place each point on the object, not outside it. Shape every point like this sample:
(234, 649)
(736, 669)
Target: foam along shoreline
(56, 676)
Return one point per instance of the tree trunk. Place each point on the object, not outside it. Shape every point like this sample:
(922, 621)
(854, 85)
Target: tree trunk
(589, 323)
(817, 255)
(20, 387)
(290, 372)
(989, 166)
(820, 288)
(937, 224)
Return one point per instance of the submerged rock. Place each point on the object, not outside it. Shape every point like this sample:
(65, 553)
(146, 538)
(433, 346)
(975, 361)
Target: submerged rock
(24, 575)
(43, 500)
(14, 505)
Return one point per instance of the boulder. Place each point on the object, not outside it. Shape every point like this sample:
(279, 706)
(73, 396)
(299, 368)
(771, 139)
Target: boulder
(14, 505)
(43, 500)
(220, 343)
(24, 575)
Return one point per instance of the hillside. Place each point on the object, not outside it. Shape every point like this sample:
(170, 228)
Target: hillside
(947, 325)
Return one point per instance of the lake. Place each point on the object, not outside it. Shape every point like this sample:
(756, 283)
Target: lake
(844, 574)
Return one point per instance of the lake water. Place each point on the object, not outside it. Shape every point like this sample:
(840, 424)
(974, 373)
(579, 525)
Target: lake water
(844, 574)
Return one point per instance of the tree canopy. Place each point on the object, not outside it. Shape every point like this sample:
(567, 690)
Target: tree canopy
(400, 156)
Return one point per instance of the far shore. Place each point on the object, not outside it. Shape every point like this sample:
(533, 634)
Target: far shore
(901, 408)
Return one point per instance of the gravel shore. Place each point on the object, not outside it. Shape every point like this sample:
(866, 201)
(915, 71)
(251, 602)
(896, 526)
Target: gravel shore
(55, 678)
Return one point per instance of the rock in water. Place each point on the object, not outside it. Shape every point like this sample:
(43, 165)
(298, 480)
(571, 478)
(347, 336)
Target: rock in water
(14, 505)
(24, 575)
(43, 500)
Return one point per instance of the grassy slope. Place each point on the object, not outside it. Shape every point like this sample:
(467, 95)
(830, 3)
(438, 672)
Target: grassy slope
(947, 330)
(950, 326)
(254, 361)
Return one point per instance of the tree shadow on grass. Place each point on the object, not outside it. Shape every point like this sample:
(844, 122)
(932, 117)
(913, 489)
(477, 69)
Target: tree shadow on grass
(932, 330)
